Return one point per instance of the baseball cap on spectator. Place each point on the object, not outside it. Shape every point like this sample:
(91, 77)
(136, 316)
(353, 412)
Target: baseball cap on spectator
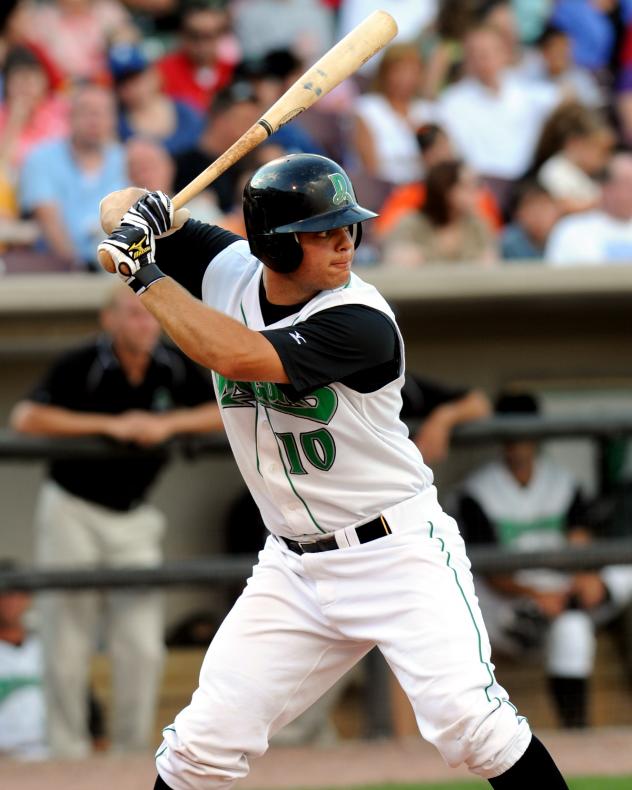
(125, 61)
(516, 403)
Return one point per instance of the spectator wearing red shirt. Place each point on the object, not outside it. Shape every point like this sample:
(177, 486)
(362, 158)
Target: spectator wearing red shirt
(205, 60)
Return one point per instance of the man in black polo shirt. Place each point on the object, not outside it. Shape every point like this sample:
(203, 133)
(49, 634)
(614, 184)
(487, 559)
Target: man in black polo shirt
(130, 387)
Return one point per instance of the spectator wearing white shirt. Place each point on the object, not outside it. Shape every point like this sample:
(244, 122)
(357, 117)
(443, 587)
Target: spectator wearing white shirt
(603, 235)
(387, 118)
(574, 150)
(494, 115)
(552, 63)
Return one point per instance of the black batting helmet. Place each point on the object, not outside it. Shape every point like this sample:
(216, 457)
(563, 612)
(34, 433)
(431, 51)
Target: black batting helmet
(296, 193)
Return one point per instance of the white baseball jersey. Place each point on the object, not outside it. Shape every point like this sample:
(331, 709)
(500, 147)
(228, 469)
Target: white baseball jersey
(333, 459)
(527, 518)
(319, 458)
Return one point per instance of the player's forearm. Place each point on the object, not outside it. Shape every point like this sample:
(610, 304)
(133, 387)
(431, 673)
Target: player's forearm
(211, 338)
(40, 419)
(473, 406)
(205, 418)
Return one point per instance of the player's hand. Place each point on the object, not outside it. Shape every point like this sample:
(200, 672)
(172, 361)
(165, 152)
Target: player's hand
(153, 209)
(127, 250)
(551, 604)
(114, 206)
(589, 590)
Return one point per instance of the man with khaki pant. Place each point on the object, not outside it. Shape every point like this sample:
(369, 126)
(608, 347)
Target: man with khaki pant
(130, 387)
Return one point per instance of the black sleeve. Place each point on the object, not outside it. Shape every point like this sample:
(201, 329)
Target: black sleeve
(577, 513)
(421, 396)
(194, 386)
(186, 254)
(353, 344)
(473, 523)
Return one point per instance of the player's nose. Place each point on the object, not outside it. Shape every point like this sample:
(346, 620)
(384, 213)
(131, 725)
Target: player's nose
(343, 238)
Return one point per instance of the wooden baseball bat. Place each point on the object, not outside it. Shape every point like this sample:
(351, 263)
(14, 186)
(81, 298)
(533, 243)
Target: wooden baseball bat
(342, 60)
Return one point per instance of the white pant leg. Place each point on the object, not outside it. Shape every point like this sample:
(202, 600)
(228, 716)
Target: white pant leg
(413, 593)
(273, 656)
(68, 621)
(135, 625)
(571, 645)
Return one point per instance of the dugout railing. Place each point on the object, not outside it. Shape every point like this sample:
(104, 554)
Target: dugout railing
(223, 570)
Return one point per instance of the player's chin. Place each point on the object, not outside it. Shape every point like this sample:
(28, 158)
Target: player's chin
(339, 273)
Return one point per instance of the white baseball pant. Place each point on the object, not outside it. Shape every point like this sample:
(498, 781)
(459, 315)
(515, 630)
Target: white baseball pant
(305, 620)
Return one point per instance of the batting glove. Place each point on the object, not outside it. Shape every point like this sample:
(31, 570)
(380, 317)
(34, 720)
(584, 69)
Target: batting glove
(153, 210)
(132, 249)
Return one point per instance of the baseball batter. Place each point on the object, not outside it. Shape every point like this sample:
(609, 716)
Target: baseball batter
(308, 365)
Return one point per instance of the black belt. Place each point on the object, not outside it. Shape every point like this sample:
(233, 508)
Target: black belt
(372, 530)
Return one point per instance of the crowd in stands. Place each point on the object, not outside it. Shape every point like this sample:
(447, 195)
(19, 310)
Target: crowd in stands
(489, 131)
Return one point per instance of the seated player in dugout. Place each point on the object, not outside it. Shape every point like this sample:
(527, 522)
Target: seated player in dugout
(308, 365)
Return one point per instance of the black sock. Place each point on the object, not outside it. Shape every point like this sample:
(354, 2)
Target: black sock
(161, 784)
(571, 700)
(534, 769)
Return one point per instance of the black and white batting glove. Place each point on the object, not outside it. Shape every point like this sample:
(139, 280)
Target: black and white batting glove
(153, 210)
(132, 249)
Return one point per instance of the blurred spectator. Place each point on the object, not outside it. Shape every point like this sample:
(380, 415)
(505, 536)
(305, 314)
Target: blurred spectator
(591, 26)
(22, 705)
(150, 166)
(623, 87)
(203, 63)
(131, 388)
(446, 229)
(574, 148)
(143, 109)
(411, 17)
(493, 115)
(234, 111)
(29, 112)
(270, 76)
(434, 147)
(303, 26)
(603, 235)
(63, 181)
(385, 119)
(76, 34)
(525, 502)
(440, 409)
(552, 62)
(500, 15)
(441, 44)
(533, 216)
(531, 18)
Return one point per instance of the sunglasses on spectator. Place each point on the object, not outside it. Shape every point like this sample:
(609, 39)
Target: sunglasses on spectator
(203, 35)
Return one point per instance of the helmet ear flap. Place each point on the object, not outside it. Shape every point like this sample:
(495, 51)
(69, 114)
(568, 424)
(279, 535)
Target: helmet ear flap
(280, 252)
(356, 234)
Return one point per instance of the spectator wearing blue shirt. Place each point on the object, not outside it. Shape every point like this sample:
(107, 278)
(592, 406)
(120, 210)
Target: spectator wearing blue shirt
(590, 25)
(144, 109)
(533, 216)
(63, 181)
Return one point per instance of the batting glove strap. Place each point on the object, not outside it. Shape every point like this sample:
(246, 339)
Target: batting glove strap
(153, 210)
(144, 278)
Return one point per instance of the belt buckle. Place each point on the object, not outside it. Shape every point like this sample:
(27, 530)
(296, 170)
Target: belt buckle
(301, 545)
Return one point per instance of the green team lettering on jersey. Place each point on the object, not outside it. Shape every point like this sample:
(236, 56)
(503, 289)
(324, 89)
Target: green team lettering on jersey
(319, 406)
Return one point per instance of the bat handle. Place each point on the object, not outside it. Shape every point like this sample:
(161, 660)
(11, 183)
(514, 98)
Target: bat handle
(249, 140)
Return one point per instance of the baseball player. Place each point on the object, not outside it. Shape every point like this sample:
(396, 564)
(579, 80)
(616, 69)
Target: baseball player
(308, 363)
